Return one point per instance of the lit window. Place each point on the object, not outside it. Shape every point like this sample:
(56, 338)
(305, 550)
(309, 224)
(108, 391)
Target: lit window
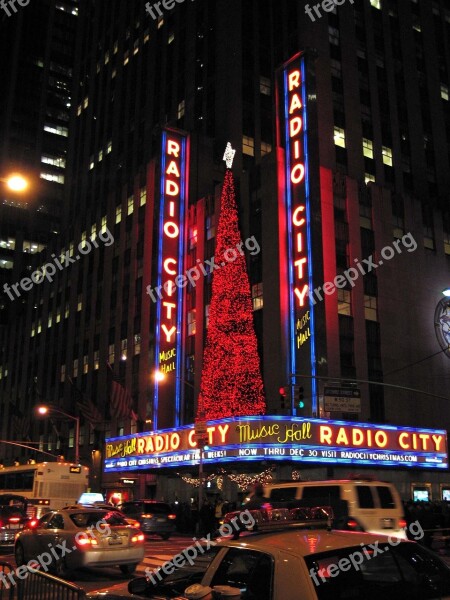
(447, 242)
(63, 374)
(191, 321)
(116, 47)
(265, 86)
(142, 196)
(339, 137)
(118, 213)
(32, 247)
(126, 58)
(124, 347)
(193, 236)
(387, 155)
(368, 177)
(86, 102)
(376, 4)
(106, 57)
(6, 264)
(109, 147)
(49, 321)
(367, 148)
(52, 177)
(146, 36)
(85, 364)
(444, 91)
(257, 296)
(210, 227)
(370, 308)
(93, 231)
(130, 203)
(160, 22)
(91, 163)
(58, 316)
(56, 161)
(39, 326)
(265, 148)
(56, 129)
(248, 146)
(104, 224)
(170, 38)
(181, 109)
(344, 302)
(71, 249)
(96, 360)
(100, 155)
(66, 311)
(80, 302)
(113, 73)
(79, 110)
(137, 343)
(111, 354)
(9, 243)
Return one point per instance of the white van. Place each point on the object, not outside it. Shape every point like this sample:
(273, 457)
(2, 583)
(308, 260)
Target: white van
(359, 505)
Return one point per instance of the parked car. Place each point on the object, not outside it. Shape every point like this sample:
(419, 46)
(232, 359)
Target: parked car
(154, 517)
(90, 538)
(108, 507)
(13, 518)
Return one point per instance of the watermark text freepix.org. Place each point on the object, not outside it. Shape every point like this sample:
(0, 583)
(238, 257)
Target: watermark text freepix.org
(367, 265)
(154, 9)
(48, 271)
(356, 559)
(56, 552)
(9, 6)
(243, 519)
(201, 268)
(327, 6)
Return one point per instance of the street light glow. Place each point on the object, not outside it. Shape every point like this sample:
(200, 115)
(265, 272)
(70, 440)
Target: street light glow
(159, 376)
(17, 183)
(42, 410)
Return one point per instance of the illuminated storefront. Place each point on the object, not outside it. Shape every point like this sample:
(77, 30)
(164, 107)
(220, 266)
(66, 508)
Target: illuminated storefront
(279, 438)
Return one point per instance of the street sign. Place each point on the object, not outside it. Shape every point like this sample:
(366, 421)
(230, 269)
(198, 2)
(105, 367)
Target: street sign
(338, 399)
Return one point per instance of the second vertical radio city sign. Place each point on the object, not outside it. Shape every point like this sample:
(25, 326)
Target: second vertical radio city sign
(171, 245)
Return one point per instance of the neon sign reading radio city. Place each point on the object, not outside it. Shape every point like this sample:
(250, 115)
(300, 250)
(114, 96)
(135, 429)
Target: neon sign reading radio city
(297, 176)
(174, 160)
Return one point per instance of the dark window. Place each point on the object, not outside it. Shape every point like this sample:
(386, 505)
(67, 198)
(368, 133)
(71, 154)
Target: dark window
(56, 523)
(332, 492)
(385, 495)
(365, 498)
(283, 494)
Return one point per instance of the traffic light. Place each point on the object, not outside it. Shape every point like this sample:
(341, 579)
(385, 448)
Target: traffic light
(301, 397)
(282, 392)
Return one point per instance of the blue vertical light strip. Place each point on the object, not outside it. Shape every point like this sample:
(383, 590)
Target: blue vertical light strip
(293, 361)
(308, 228)
(178, 372)
(160, 270)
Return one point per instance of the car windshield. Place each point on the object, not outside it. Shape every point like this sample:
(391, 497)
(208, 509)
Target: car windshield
(182, 577)
(86, 519)
(375, 571)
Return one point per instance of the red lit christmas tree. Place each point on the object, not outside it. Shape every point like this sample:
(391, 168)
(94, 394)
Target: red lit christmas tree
(231, 378)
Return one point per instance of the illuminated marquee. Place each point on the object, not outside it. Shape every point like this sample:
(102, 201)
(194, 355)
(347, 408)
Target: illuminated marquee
(169, 309)
(293, 135)
(279, 438)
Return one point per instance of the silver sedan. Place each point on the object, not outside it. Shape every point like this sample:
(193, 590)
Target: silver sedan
(64, 540)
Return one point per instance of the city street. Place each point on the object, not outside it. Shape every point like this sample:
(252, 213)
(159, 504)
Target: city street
(157, 552)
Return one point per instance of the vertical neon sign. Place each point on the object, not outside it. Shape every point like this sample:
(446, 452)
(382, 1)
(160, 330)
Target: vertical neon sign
(293, 135)
(169, 306)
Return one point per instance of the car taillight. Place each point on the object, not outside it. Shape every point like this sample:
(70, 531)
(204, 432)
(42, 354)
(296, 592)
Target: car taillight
(171, 516)
(84, 542)
(14, 519)
(32, 524)
(1, 523)
(147, 516)
(138, 538)
(402, 523)
(353, 525)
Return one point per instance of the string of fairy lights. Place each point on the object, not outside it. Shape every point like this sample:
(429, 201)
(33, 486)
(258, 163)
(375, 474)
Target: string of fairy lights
(243, 481)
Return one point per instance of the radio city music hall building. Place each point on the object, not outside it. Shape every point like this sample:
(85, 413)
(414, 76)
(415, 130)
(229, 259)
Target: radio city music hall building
(329, 172)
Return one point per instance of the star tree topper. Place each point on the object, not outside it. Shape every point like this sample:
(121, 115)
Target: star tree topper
(229, 155)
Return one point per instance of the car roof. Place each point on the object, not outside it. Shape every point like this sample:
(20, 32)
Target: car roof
(301, 542)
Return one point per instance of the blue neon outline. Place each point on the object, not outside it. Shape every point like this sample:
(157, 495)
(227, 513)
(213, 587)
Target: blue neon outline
(309, 236)
(291, 299)
(160, 257)
(111, 465)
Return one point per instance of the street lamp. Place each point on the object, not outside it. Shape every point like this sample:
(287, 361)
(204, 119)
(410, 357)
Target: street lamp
(43, 410)
(15, 182)
(446, 292)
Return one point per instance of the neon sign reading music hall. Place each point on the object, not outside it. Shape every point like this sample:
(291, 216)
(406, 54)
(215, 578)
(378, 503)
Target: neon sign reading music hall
(169, 308)
(293, 135)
